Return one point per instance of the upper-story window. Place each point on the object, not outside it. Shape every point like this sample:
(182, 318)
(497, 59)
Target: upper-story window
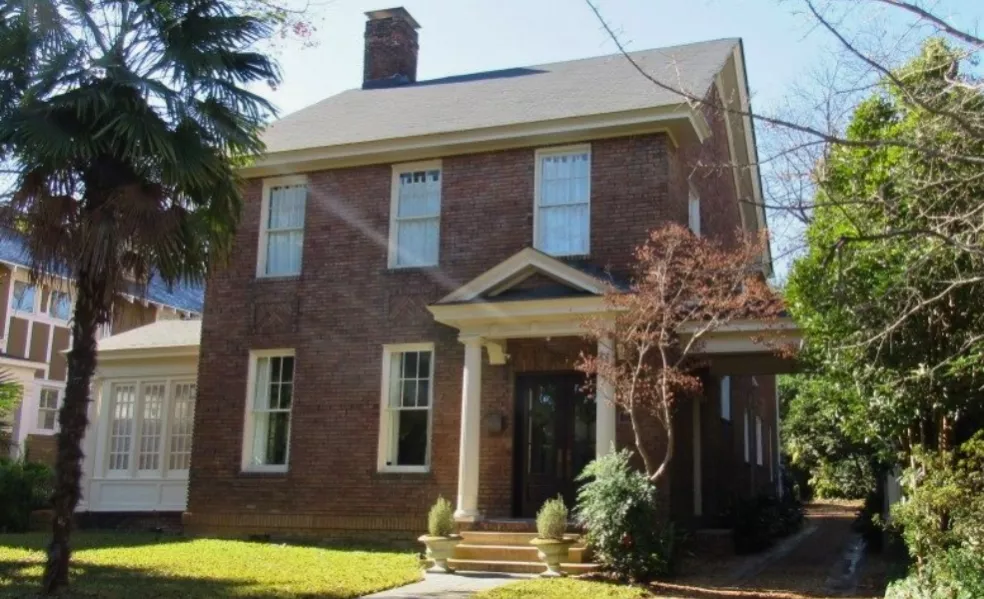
(562, 214)
(693, 215)
(25, 295)
(415, 222)
(282, 227)
(60, 305)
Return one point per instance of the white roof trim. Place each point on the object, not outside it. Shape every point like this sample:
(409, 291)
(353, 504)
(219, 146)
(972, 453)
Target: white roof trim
(519, 267)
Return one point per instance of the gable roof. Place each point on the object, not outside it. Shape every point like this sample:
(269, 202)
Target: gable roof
(591, 86)
(191, 298)
(156, 335)
(500, 282)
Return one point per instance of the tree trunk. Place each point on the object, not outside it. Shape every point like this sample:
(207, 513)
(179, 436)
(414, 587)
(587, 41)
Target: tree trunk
(72, 419)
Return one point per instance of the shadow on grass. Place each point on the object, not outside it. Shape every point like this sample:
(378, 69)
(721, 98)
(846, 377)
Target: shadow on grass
(38, 541)
(23, 579)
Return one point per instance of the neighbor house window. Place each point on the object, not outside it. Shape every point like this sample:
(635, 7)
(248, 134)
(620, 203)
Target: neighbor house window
(24, 296)
(60, 305)
(415, 225)
(182, 422)
(726, 398)
(282, 227)
(408, 393)
(562, 214)
(758, 441)
(693, 216)
(151, 426)
(268, 417)
(47, 408)
(124, 400)
(747, 441)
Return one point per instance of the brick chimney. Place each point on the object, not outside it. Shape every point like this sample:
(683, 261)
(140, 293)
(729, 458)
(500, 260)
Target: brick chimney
(391, 48)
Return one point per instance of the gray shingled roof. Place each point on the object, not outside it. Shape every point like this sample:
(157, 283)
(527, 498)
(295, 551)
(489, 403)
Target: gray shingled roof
(591, 86)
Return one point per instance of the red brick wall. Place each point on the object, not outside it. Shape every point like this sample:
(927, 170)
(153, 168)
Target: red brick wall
(346, 305)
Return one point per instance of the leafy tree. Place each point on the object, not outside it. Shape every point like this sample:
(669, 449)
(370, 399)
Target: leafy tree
(899, 316)
(683, 288)
(122, 120)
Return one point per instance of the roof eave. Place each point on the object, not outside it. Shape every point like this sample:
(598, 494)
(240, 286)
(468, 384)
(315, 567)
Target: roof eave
(680, 122)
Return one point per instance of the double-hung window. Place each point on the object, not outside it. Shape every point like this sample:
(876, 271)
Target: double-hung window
(60, 305)
(268, 414)
(282, 227)
(562, 211)
(415, 223)
(47, 408)
(407, 399)
(24, 296)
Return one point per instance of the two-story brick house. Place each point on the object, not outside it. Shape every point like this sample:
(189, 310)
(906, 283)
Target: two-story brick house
(403, 310)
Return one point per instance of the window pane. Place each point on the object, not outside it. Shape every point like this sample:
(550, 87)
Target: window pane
(49, 420)
(261, 398)
(564, 230)
(60, 305)
(423, 393)
(151, 427)
(417, 242)
(409, 365)
(409, 393)
(287, 369)
(412, 438)
(276, 442)
(423, 366)
(287, 207)
(285, 396)
(182, 422)
(121, 427)
(284, 253)
(24, 294)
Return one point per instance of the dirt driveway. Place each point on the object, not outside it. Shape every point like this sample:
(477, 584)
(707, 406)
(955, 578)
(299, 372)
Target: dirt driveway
(814, 564)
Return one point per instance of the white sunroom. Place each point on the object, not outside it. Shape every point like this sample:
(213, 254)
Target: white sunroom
(138, 446)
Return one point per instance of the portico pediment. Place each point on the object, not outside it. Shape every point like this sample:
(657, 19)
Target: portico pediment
(528, 274)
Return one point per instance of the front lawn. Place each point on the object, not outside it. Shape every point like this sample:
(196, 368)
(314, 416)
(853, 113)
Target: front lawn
(111, 565)
(563, 588)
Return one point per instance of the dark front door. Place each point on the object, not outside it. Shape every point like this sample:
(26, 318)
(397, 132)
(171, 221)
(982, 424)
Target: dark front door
(555, 438)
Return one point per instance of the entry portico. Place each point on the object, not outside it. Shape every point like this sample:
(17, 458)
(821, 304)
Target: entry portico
(534, 296)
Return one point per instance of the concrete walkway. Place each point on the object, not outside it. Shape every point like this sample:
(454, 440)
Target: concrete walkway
(449, 586)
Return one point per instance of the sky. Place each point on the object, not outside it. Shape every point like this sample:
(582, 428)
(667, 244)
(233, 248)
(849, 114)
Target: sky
(783, 45)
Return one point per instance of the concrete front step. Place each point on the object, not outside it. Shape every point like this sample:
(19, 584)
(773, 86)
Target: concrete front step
(511, 567)
(474, 537)
(512, 553)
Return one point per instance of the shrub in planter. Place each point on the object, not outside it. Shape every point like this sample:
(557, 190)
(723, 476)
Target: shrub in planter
(24, 487)
(617, 507)
(440, 538)
(551, 526)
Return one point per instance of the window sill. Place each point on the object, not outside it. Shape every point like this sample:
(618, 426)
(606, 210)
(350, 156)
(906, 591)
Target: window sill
(273, 474)
(402, 474)
(412, 269)
(277, 278)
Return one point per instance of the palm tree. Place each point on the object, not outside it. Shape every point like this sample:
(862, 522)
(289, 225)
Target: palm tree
(124, 121)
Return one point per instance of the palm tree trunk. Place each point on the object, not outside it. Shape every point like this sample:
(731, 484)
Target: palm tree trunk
(72, 419)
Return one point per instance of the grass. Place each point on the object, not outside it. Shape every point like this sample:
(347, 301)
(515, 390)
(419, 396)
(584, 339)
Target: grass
(564, 588)
(115, 565)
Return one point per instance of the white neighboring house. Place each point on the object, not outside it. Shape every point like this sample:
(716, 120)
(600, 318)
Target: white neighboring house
(138, 445)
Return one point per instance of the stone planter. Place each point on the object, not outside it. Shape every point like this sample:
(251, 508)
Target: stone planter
(439, 550)
(552, 552)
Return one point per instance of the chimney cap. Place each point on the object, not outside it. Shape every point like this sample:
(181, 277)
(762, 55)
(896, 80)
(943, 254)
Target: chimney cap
(397, 12)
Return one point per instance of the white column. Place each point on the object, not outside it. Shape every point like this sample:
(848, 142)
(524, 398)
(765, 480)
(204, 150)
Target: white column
(604, 407)
(471, 430)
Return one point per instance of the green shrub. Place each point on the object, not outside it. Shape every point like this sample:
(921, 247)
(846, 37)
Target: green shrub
(551, 520)
(617, 507)
(440, 520)
(24, 487)
(957, 573)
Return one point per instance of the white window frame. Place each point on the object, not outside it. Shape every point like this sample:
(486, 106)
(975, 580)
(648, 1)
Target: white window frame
(247, 464)
(385, 421)
(758, 441)
(261, 255)
(726, 398)
(399, 169)
(693, 211)
(748, 447)
(540, 154)
(43, 410)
